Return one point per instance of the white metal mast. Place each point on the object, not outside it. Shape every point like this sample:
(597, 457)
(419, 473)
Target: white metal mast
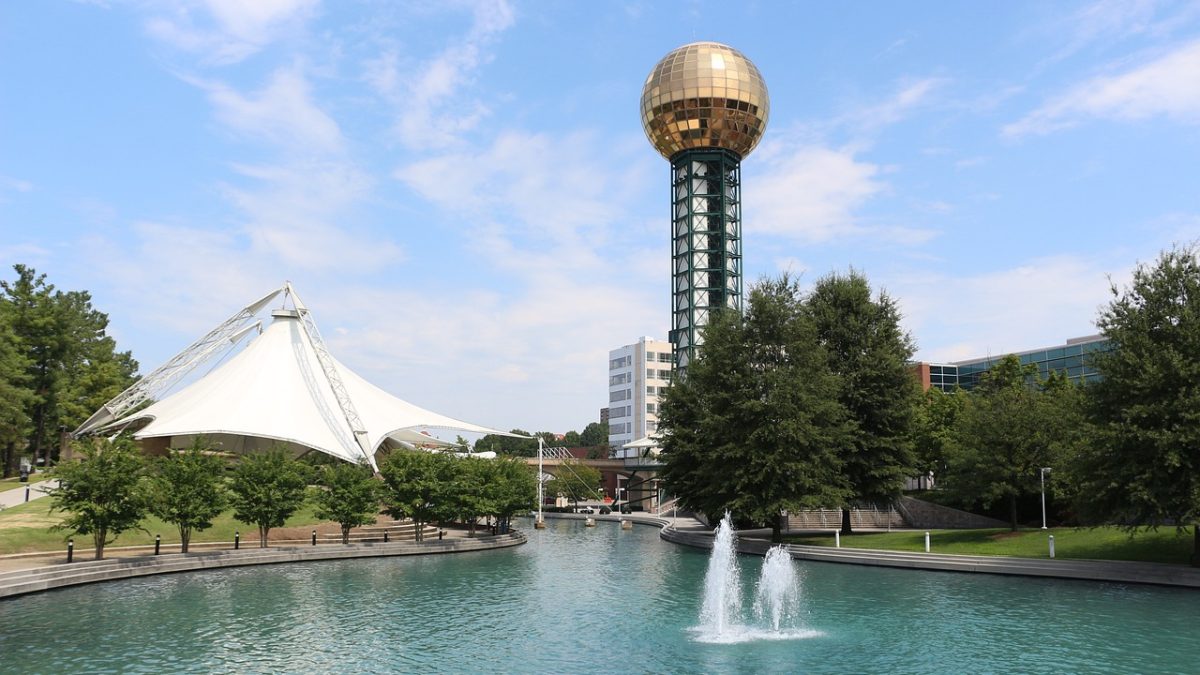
(332, 376)
(166, 375)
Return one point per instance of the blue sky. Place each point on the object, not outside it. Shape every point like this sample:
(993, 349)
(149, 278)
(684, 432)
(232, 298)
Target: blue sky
(463, 194)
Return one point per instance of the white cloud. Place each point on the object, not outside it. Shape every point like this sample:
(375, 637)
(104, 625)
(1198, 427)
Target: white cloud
(228, 31)
(8, 183)
(910, 97)
(283, 113)
(431, 112)
(540, 193)
(297, 214)
(1167, 86)
(809, 193)
(1042, 301)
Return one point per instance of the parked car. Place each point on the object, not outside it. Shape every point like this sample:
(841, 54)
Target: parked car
(585, 509)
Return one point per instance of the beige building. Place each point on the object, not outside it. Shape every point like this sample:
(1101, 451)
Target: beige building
(637, 374)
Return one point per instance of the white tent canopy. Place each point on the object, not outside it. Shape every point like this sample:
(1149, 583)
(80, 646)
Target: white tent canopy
(645, 442)
(276, 390)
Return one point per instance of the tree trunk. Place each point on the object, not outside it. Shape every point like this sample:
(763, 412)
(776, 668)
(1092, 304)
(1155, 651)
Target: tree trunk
(185, 537)
(1012, 511)
(1196, 545)
(98, 538)
(345, 533)
(776, 531)
(846, 528)
(10, 454)
(262, 535)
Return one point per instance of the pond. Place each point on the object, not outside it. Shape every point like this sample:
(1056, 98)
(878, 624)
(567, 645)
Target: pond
(578, 599)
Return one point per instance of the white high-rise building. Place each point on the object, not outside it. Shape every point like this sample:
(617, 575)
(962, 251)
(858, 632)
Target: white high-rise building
(637, 374)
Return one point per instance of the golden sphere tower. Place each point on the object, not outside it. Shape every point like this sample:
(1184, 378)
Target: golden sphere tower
(704, 108)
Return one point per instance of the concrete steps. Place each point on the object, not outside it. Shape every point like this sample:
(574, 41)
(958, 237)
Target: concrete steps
(20, 582)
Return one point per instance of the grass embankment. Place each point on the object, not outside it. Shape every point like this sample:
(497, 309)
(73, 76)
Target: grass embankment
(1102, 543)
(26, 528)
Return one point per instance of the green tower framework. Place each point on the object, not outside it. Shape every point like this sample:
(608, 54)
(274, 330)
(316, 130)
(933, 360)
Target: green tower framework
(704, 108)
(706, 243)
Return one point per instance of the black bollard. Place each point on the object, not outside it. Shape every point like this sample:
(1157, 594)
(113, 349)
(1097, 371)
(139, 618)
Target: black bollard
(385, 536)
(237, 540)
(70, 549)
(26, 493)
(157, 543)
(314, 537)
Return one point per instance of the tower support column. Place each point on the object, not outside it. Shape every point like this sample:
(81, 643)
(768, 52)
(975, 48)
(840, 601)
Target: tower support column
(706, 243)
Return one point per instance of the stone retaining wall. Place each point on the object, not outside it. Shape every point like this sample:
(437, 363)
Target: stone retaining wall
(58, 576)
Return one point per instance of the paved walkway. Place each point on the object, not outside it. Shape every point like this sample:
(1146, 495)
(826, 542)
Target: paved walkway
(16, 496)
(757, 542)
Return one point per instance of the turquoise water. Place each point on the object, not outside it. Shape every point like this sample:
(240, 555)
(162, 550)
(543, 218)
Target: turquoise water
(577, 600)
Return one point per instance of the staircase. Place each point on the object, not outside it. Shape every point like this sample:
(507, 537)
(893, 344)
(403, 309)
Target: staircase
(396, 530)
(870, 518)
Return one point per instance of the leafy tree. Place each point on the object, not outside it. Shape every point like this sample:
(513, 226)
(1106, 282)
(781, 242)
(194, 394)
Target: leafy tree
(72, 365)
(16, 397)
(472, 490)
(412, 486)
(508, 445)
(572, 439)
(103, 494)
(869, 353)
(187, 490)
(349, 496)
(1143, 466)
(575, 480)
(267, 489)
(755, 426)
(935, 420)
(513, 489)
(1010, 428)
(594, 434)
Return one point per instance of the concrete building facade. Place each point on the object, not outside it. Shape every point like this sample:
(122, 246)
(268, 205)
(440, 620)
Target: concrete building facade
(637, 374)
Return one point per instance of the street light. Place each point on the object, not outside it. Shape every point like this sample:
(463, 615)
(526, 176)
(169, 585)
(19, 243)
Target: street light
(1044, 471)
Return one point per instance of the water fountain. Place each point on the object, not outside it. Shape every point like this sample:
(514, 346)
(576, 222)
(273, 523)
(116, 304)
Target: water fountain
(777, 595)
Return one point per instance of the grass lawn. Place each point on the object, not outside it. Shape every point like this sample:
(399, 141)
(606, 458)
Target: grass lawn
(1101, 543)
(26, 528)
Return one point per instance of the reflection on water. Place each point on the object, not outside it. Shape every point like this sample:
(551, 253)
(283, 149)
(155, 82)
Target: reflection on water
(587, 599)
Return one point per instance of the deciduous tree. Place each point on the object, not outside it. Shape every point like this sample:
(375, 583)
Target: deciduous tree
(348, 495)
(267, 489)
(869, 353)
(103, 494)
(755, 427)
(1142, 468)
(187, 489)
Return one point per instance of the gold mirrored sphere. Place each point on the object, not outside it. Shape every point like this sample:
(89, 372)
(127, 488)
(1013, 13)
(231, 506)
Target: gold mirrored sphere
(705, 95)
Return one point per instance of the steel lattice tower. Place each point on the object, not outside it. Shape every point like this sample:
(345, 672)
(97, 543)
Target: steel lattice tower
(704, 108)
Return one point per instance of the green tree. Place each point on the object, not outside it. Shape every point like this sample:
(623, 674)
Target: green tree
(572, 439)
(103, 494)
(933, 430)
(16, 398)
(869, 353)
(267, 489)
(1009, 428)
(349, 496)
(412, 486)
(1142, 468)
(575, 481)
(187, 489)
(755, 426)
(508, 445)
(73, 366)
(513, 489)
(472, 490)
(594, 434)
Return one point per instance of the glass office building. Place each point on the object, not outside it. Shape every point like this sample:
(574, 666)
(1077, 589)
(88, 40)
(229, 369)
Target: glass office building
(1070, 359)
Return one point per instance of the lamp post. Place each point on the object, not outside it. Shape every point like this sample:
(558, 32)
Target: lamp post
(1044, 471)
